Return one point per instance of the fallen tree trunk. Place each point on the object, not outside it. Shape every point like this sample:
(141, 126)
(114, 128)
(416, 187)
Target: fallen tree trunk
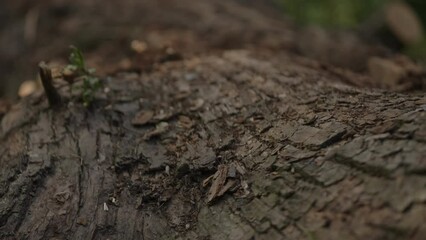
(218, 147)
(226, 145)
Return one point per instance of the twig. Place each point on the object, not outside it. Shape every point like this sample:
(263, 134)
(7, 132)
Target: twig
(46, 78)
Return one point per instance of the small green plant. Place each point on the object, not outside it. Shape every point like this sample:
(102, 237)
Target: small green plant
(91, 85)
(77, 70)
(76, 59)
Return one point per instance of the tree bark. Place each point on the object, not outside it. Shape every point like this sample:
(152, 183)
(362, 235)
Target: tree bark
(304, 156)
(230, 145)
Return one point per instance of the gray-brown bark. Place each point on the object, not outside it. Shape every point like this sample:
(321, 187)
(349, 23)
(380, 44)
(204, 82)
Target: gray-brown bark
(309, 158)
(224, 145)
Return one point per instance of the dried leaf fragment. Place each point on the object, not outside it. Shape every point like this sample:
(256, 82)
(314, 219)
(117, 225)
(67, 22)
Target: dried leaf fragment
(142, 118)
(161, 128)
(219, 181)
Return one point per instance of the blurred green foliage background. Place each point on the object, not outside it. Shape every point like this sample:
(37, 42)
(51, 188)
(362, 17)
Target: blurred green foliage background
(350, 14)
(340, 13)
(331, 13)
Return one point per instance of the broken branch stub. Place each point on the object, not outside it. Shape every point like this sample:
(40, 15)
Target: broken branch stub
(46, 78)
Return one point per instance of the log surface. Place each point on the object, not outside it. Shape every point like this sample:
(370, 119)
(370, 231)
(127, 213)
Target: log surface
(233, 144)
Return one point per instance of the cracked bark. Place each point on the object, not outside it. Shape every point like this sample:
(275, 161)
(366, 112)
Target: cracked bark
(349, 164)
(307, 156)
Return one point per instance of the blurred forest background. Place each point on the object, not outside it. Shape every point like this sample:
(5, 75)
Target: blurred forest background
(364, 16)
(114, 35)
(340, 13)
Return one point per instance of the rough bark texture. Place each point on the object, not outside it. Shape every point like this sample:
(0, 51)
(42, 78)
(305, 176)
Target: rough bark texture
(231, 145)
(319, 158)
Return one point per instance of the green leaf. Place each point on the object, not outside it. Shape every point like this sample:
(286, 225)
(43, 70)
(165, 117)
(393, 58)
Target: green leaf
(91, 70)
(76, 58)
(90, 84)
(71, 68)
